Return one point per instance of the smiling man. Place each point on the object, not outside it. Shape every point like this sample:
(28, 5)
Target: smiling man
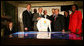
(27, 18)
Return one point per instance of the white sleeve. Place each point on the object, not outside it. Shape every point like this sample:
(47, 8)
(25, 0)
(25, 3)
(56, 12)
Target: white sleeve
(49, 26)
(38, 25)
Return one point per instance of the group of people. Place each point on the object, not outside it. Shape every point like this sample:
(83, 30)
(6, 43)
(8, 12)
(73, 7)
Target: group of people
(66, 22)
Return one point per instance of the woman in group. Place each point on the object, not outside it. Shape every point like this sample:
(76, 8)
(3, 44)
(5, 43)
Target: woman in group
(75, 21)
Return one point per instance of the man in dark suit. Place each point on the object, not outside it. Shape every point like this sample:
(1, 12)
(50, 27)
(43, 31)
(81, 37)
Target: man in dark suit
(40, 13)
(45, 14)
(27, 19)
(51, 19)
(58, 21)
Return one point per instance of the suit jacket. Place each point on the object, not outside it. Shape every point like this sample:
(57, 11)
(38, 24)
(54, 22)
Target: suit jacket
(66, 22)
(75, 22)
(8, 32)
(57, 24)
(35, 16)
(27, 19)
(47, 16)
(40, 15)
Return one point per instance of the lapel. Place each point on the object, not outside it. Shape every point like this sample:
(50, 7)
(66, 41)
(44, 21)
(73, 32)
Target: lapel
(56, 17)
(40, 15)
(29, 13)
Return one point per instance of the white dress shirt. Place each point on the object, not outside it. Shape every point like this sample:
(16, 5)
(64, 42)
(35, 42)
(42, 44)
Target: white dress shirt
(45, 16)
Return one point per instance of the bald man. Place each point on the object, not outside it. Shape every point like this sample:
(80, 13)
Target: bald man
(45, 14)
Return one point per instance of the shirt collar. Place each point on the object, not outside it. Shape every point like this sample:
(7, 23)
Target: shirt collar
(28, 11)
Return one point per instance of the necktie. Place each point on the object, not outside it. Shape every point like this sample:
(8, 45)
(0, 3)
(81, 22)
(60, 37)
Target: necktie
(54, 18)
(40, 15)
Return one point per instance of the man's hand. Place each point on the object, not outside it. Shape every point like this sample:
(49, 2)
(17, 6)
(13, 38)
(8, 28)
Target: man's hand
(38, 18)
(10, 36)
(26, 28)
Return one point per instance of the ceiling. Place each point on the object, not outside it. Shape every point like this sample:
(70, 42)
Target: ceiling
(45, 3)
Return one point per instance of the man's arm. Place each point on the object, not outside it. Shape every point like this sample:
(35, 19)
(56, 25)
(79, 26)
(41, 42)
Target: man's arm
(50, 26)
(24, 19)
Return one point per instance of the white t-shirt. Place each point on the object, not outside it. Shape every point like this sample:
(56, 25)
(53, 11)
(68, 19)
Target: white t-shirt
(43, 24)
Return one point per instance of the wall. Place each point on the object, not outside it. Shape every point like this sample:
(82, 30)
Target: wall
(48, 6)
(21, 9)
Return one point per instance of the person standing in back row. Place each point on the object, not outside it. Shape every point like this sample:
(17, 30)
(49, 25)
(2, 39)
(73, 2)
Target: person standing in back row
(35, 16)
(45, 14)
(58, 21)
(51, 19)
(40, 13)
(75, 21)
(27, 19)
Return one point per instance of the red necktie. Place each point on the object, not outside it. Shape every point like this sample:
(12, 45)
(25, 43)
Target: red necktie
(54, 18)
